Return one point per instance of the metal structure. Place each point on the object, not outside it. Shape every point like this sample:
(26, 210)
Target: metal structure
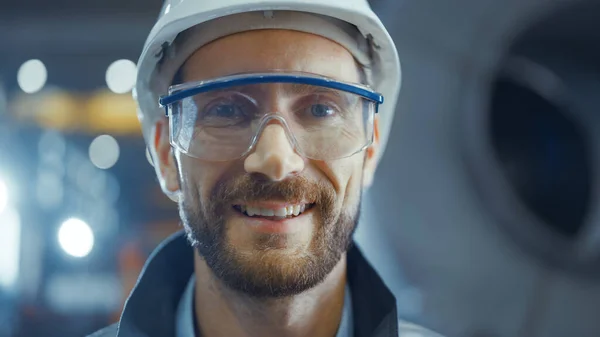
(465, 230)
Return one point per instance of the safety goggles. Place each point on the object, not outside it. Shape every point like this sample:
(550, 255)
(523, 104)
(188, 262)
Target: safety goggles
(222, 119)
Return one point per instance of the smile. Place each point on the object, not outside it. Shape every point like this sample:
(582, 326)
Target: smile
(274, 211)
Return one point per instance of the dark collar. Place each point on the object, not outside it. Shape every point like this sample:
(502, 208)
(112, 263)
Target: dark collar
(152, 305)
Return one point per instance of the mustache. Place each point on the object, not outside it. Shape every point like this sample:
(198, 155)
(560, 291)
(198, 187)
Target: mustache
(257, 188)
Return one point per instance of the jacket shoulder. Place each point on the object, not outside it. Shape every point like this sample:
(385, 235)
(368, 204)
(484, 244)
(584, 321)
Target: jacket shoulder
(409, 329)
(109, 331)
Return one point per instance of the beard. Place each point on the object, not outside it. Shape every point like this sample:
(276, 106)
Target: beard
(265, 273)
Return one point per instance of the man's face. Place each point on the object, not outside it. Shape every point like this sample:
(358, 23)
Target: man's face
(260, 255)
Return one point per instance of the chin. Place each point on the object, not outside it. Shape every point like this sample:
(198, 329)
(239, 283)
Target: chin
(244, 240)
(263, 246)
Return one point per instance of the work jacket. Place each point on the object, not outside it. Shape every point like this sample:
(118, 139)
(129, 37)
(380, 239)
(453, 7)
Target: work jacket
(151, 308)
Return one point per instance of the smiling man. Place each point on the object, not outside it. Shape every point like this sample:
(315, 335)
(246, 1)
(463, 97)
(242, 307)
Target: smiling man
(265, 120)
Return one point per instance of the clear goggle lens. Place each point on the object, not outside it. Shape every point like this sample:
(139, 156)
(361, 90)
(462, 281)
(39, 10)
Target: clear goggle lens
(323, 120)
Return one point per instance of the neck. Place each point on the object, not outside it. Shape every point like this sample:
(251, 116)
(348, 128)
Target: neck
(221, 311)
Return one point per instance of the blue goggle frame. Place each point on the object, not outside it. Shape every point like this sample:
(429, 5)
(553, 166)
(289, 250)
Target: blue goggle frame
(182, 91)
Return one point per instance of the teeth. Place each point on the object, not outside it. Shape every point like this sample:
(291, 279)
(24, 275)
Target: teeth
(252, 211)
(281, 212)
(267, 212)
(294, 210)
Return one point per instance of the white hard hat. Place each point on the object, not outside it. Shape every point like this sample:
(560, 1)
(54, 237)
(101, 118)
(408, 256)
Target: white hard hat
(178, 16)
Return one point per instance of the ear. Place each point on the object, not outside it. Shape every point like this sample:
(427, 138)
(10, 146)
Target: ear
(371, 157)
(164, 161)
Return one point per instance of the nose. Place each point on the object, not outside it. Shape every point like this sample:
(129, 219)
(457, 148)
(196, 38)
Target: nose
(273, 155)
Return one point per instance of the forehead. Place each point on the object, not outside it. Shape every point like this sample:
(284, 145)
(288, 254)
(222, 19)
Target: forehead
(269, 50)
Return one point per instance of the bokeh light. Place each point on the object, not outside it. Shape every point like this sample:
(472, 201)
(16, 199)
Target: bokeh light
(32, 76)
(104, 152)
(121, 75)
(10, 246)
(76, 237)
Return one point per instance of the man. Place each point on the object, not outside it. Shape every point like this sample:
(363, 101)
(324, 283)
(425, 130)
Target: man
(267, 131)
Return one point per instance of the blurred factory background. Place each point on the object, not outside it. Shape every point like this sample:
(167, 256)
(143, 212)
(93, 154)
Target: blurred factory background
(484, 218)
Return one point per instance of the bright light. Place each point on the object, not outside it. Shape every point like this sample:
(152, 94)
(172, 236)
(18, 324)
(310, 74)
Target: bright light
(10, 244)
(3, 196)
(76, 237)
(32, 76)
(120, 76)
(104, 152)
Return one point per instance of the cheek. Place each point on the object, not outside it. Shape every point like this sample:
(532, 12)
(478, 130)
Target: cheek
(198, 177)
(346, 177)
(353, 190)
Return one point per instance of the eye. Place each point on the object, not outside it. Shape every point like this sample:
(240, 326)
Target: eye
(234, 110)
(224, 110)
(322, 110)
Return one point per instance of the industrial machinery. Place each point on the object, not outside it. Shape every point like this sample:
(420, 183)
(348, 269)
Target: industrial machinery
(488, 198)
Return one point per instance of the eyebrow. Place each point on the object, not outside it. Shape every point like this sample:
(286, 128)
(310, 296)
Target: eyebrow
(305, 89)
(300, 89)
